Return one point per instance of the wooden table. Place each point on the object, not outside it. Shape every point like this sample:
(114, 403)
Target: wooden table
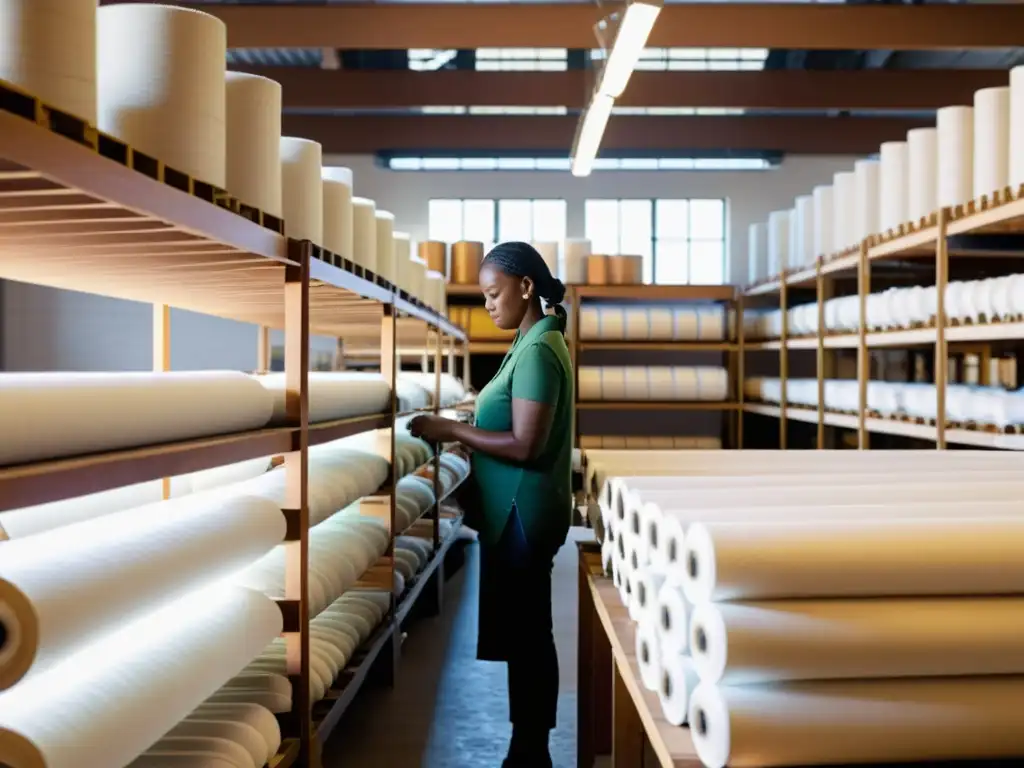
(616, 715)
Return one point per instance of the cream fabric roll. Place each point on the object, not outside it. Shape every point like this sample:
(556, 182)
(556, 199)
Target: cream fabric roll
(853, 559)
(711, 323)
(573, 268)
(385, 223)
(589, 386)
(549, 252)
(332, 395)
(824, 240)
(636, 384)
(768, 641)
(590, 323)
(637, 322)
(302, 187)
(871, 721)
(613, 323)
(403, 253)
(844, 210)
(364, 233)
(802, 252)
(687, 324)
(1016, 126)
(160, 74)
(613, 382)
(991, 140)
(867, 181)
(757, 252)
(184, 652)
(712, 383)
(661, 383)
(923, 164)
(955, 143)
(662, 323)
(253, 154)
(46, 419)
(687, 383)
(778, 241)
(252, 715)
(337, 190)
(117, 566)
(892, 187)
(48, 48)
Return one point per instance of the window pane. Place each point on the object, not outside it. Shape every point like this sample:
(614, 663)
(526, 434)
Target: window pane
(673, 218)
(601, 222)
(635, 232)
(444, 220)
(478, 221)
(707, 262)
(549, 220)
(707, 219)
(672, 262)
(515, 221)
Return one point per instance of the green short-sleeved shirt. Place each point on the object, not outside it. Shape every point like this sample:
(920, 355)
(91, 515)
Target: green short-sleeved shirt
(538, 368)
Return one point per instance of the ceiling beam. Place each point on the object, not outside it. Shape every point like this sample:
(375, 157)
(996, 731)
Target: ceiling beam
(308, 88)
(798, 135)
(821, 26)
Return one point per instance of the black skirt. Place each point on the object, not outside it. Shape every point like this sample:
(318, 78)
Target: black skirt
(515, 594)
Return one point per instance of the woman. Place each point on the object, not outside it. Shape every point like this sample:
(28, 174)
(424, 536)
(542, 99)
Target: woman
(521, 449)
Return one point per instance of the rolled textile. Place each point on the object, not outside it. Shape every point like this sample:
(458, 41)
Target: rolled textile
(333, 395)
(648, 655)
(337, 207)
(991, 140)
(824, 244)
(866, 181)
(772, 640)
(44, 416)
(63, 589)
(955, 142)
(364, 233)
(573, 267)
(922, 173)
(649, 581)
(302, 189)
(673, 619)
(253, 165)
(184, 651)
(678, 680)
(854, 721)
(865, 558)
(892, 186)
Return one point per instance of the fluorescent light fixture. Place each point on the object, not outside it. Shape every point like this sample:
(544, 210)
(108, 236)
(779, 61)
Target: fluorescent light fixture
(630, 40)
(589, 134)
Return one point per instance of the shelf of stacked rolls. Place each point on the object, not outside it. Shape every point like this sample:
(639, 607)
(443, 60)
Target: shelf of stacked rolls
(617, 331)
(221, 554)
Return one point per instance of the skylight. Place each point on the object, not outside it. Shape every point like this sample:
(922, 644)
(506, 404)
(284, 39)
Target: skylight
(698, 59)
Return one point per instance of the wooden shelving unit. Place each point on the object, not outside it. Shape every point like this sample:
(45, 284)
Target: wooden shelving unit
(78, 213)
(971, 236)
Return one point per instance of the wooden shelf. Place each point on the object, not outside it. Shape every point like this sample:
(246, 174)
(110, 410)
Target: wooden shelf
(657, 346)
(654, 292)
(489, 347)
(647, 405)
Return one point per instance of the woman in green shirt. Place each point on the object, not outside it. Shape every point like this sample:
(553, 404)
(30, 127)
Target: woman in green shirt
(521, 448)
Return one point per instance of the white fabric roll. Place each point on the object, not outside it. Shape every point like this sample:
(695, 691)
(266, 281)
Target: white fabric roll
(844, 210)
(302, 187)
(573, 269)
(802, 251)
(892, 187)
(337, 207)
(853, 559)
(184, 652)
(678, 680)
(923, 178)
(768, 641)
(403, 269)
(687, 324)
(332, 395)
(364, 233)
(637, 323)
(955, 145)
(991, 140)
(635, 388)
(590, 323)
(778, 241)
(45, 416)
(160, 75)
(48, 48)
(253, 164)
(672, 619)
(867, 181)
(549, 252)
(613, 323)
(1017, 126)
(648, 655)
(613, 382)
(871, 721)
(385, 224)
(824, 240)
(757, 252)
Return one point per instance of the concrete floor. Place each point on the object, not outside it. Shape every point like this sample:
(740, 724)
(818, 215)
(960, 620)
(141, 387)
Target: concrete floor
(448, 710)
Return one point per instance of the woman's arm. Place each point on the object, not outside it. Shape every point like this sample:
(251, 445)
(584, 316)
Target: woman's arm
(531, 425)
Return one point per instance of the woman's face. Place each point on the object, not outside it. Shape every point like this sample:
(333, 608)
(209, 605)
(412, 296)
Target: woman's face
(503, 297)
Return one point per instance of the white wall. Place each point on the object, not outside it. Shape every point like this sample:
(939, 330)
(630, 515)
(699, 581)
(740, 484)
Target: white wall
(46, 329)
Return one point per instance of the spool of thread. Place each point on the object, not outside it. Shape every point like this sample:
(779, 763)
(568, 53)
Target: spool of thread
(253, 108)
(625, 270)
(824, 242)
(597, 270)
(364, 233)
(573, 267)
(302, 188)
(991, 140)
(385, 224)
(922, 180)
(778, 241)
(1016, 126)
(892, 186)
(467, 256)
(403, 269)
(549, 252)
(844, 210)
(434, 254)
(955, 146)
(338, 235)
(803, 253)
(757, 253)
(160, 80)
(866, 173)
(48, 48)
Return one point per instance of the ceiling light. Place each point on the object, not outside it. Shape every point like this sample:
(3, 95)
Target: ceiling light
(589, 134)
(634, 28)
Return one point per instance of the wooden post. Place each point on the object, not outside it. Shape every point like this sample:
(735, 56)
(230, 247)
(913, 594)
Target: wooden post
(863, 353)
(740, 375)
(941, 347)
(783, 362)
(162, 358)
(627, 729)
(263, 350)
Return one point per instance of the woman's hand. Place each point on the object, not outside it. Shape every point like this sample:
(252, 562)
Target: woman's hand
(432, 428)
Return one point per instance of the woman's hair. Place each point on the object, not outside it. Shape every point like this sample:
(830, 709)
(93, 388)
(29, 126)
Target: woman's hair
(523, 260)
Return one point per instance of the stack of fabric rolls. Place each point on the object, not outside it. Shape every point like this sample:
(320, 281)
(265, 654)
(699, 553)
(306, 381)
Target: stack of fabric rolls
(827, 608)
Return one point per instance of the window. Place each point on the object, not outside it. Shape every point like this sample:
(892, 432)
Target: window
(697, 59)
(681, 241)
(417, 163)
(491, 221)
(522, 59)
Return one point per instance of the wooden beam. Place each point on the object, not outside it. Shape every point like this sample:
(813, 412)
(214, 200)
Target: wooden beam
(351, 134)
(306, 88)
(821, 26)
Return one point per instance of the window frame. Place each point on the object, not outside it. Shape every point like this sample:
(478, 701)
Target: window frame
(496, 205)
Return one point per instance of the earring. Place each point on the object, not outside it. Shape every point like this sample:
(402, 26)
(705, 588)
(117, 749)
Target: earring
(526, 296)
